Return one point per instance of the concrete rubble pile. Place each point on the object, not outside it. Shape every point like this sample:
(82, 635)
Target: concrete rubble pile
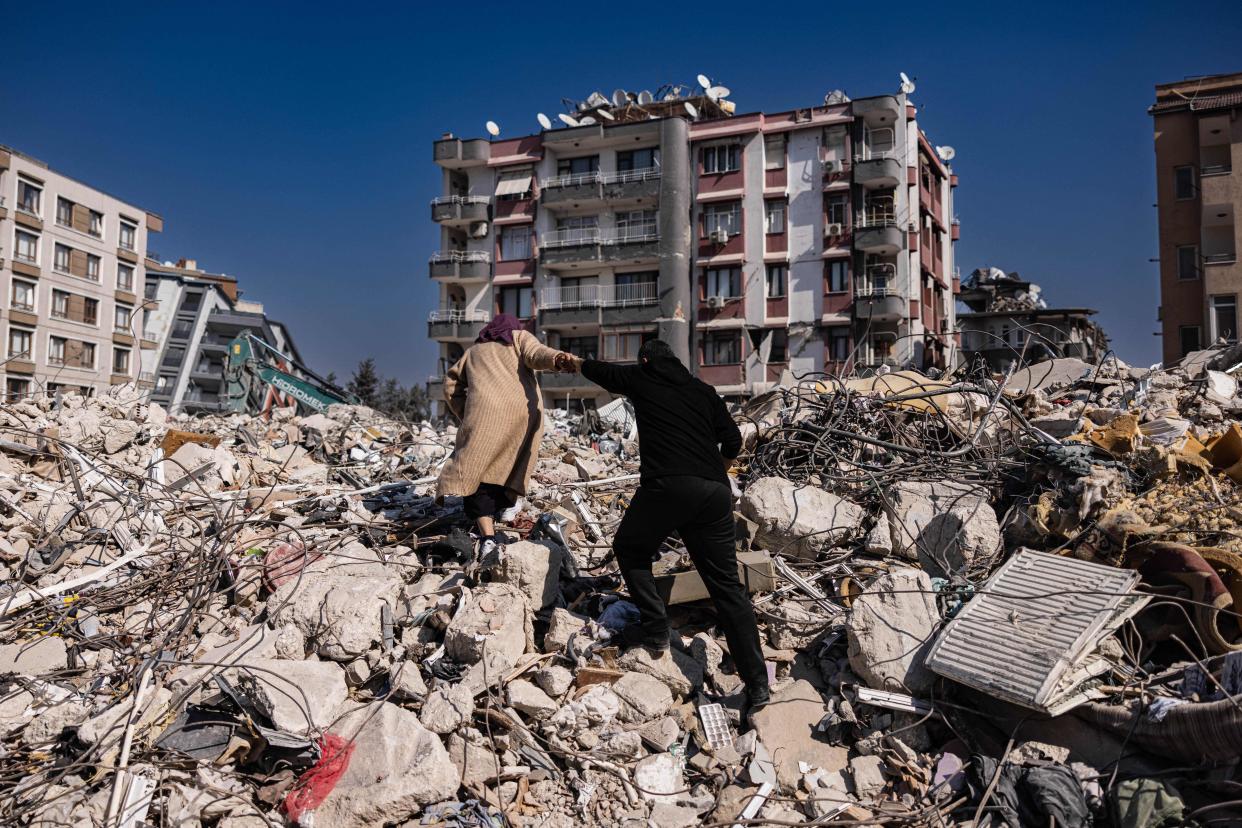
(984, 601)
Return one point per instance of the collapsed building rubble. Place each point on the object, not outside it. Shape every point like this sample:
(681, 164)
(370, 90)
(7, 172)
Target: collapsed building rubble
(987, 601)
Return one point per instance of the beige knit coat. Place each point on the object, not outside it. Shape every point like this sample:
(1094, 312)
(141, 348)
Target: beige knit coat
(493, 391)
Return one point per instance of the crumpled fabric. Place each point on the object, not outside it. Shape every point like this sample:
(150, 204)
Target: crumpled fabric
(469, 814)
(1029, 795)
(1146, 803)
(618, 615)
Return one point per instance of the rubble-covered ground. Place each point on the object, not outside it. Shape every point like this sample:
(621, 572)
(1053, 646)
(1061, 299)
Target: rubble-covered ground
(984, 602)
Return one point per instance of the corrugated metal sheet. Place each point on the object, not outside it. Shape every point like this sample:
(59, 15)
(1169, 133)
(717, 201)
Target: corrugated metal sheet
(1035, 619)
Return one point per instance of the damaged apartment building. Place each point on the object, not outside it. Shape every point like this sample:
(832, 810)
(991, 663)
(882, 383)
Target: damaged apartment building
(1008, 324)
(817, 239)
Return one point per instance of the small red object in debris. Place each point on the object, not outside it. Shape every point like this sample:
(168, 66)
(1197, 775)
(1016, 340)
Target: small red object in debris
(315, 785)
(286, 562)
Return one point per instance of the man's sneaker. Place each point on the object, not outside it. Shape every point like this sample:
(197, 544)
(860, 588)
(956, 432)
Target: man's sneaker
(635, 636)
(488, 549)
(510, 514)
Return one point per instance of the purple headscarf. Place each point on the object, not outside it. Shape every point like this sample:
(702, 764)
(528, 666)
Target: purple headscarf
(501, 329)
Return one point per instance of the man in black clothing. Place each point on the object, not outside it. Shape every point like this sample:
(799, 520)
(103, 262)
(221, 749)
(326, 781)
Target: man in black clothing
(688, 442)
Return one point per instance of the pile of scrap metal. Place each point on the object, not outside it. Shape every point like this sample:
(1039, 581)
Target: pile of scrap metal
(984, 601)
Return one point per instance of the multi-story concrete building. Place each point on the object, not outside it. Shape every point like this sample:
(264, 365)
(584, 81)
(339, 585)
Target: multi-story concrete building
(196, 315)
(1198, 137)
(71, 268)
(819, 239)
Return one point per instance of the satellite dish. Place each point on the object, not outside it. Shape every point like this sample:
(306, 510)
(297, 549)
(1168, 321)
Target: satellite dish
(946, 153)
(907, 85)
(586, 121)
(619, 98)
(690, 110)
(704, 81)
(645, 98)
(605, 114)
(718, 92)
(544, 121)
(568, 120)
(493, 128)
(596, 99)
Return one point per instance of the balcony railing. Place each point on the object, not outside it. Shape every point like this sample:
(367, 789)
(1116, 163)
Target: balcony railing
(883, 144)
(572, 180)
(28, 307)
(591, 296)
(461, 199)
(1220, 258)
(459, 256)
(874, 292)
(877, 217)
(458, 315)
(630, 176)
(570, 237)
(632, 233)
(638, 293)
(1223, 168)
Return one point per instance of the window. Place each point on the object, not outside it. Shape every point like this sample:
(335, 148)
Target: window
(1225, 318)
(779, 351)
(21, 343)
(838, 342)
(16, 389)
(22, 296)
(774, 151)
(726, 216)
(1188, 262)
(60, 260)
(90, 311)
(622, 346)
(722, 281)
(182, 329)
(515, 242)
(586, 347)
(128, 233)
(29, 196)
(778, 276)
(721, 159)
(774, 216)
(120, 360)
(125, 278)
(514, 185)
(164, 384)
(121, 318)
(1184, 182)
(191, 302)
(27, 247)
(64, 212)
(639, 159)
(60, 304)
(636, 287)
(835, 208)
(86, 354)
(56, 350)
(636, 224)
(1190, 338)
(722, 348)
(838, 276)
(92, 267)
(577, 166)
(578, 229)
(96, 229)
(517, 301)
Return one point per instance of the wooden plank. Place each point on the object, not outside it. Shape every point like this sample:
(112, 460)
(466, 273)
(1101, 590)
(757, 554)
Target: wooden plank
(756, 570)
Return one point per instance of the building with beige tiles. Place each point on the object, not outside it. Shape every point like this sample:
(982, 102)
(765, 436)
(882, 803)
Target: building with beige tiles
(72, 274)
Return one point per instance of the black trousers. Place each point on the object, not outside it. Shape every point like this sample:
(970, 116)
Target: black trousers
(487, 501)
(701, 511)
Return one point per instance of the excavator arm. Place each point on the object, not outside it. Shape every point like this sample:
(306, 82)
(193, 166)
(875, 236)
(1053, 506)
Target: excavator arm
(259, 378)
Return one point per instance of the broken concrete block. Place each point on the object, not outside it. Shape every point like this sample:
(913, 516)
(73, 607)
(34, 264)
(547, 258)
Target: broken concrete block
(798, 519)
(407, 682)
(879, 540)
(760, 769)
(659, 777)
(661, 733)
(529, 699)
(118, 434)
(890, 631)
(50, 724)
(473, 758)
(787, 727)
(554, 680)
(561, 628)
(868, 775)
(643, 697)
(496, 619)
(299, 696)
(446, 709)
(34, 658)
(397, 766)
(534, 567)
(338, 614)
(945, 526)
(676, 670)
(664, 815)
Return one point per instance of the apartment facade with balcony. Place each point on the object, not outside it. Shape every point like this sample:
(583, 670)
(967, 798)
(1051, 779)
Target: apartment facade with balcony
(1198, 142)
(819, 239)
(72, 267)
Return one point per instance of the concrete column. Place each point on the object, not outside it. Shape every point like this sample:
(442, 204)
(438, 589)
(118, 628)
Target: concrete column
(676, 192)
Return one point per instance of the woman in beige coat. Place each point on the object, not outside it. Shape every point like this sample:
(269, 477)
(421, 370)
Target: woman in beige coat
(493, 391)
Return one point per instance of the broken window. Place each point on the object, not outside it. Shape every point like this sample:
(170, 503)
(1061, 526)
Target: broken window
(780, 346)
(1190, 338)
(1225, 318)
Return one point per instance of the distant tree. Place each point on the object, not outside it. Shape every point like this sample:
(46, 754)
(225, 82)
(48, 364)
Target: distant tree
(365, 382)
(331, 378)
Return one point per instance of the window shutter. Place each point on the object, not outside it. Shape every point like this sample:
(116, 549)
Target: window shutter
(77, 262)
(81, 218)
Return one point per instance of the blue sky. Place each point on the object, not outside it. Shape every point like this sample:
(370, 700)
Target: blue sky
(290, 144)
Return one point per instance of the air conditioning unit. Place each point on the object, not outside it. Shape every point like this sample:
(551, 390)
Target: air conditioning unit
(830, 166)
(479, 230)
(719, 236)
(715, 302)
(834, 229)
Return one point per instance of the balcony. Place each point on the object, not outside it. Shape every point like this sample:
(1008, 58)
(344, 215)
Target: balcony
(632, 243)
(456, 324)
(877, 232)
(461, 265)
(570, 246)
(455, 153)
(884, 110)
(632, 185)
(599, 304)
(576, 188)
(877, 172)
(214, 343)
(879, 305)
(460, 210)
(615, 187)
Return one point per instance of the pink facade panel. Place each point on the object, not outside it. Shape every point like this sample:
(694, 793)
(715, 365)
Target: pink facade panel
(775, 178)
(522, 208)
(778, 308)
(721, 374)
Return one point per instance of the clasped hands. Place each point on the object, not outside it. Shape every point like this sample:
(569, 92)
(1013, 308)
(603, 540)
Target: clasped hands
(567, 363)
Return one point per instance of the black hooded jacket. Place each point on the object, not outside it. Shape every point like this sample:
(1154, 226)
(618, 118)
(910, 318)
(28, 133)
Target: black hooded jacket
(683, 425)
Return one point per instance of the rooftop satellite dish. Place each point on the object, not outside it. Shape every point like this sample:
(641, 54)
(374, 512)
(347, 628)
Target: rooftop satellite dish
(645, 98)
(619, 98)
(493, 128)
(586, 120)
(705, 81)
(568, 120)
(596, 99)
(946, 153)
(605, 114)
(690, 110)
(907, 85)
(718, 92)
(544, 121)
